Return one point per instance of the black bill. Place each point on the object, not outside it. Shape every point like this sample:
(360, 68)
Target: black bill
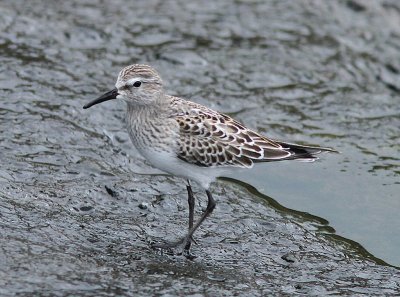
(105, 97)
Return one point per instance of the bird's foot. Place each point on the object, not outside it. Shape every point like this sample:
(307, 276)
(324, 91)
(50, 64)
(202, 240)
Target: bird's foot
(182, 245)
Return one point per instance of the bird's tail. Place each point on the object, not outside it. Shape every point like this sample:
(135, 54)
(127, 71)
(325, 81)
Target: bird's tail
(304, 152)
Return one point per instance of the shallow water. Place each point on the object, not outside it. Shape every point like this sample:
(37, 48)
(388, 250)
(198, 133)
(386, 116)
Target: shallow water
(314, 72)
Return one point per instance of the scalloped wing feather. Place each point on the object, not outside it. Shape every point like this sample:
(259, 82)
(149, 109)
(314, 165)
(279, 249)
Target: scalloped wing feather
(209, 138)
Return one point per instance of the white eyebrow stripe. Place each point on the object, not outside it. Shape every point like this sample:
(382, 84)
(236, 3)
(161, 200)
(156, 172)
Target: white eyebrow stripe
(133, 80)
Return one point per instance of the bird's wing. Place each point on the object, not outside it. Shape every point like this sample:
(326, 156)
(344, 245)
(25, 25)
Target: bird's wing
(209, 138)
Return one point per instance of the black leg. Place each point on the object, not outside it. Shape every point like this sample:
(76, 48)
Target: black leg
(191, 213)
(209, 209)
(186, 241)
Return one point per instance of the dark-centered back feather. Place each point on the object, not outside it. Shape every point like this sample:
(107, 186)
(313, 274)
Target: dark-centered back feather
(209, 138)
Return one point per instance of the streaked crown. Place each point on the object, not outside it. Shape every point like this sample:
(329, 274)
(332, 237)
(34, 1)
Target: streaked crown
(145, 72)
(139, 84)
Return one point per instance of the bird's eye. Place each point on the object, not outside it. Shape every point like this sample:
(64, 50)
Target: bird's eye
(137, 84)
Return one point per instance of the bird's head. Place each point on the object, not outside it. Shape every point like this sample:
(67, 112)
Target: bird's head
(136, 84)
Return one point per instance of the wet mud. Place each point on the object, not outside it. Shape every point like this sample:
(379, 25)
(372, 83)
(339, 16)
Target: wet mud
(79, 208)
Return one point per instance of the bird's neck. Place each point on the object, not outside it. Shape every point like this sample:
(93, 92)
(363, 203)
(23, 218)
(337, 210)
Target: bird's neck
(148, 109)
(141, 113)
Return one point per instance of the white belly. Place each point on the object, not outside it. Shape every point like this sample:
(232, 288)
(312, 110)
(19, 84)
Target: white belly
(170, 163)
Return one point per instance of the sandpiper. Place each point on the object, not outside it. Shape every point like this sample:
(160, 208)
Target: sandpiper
(190, 140)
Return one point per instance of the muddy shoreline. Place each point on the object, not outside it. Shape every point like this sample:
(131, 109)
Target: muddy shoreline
(79, 208)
